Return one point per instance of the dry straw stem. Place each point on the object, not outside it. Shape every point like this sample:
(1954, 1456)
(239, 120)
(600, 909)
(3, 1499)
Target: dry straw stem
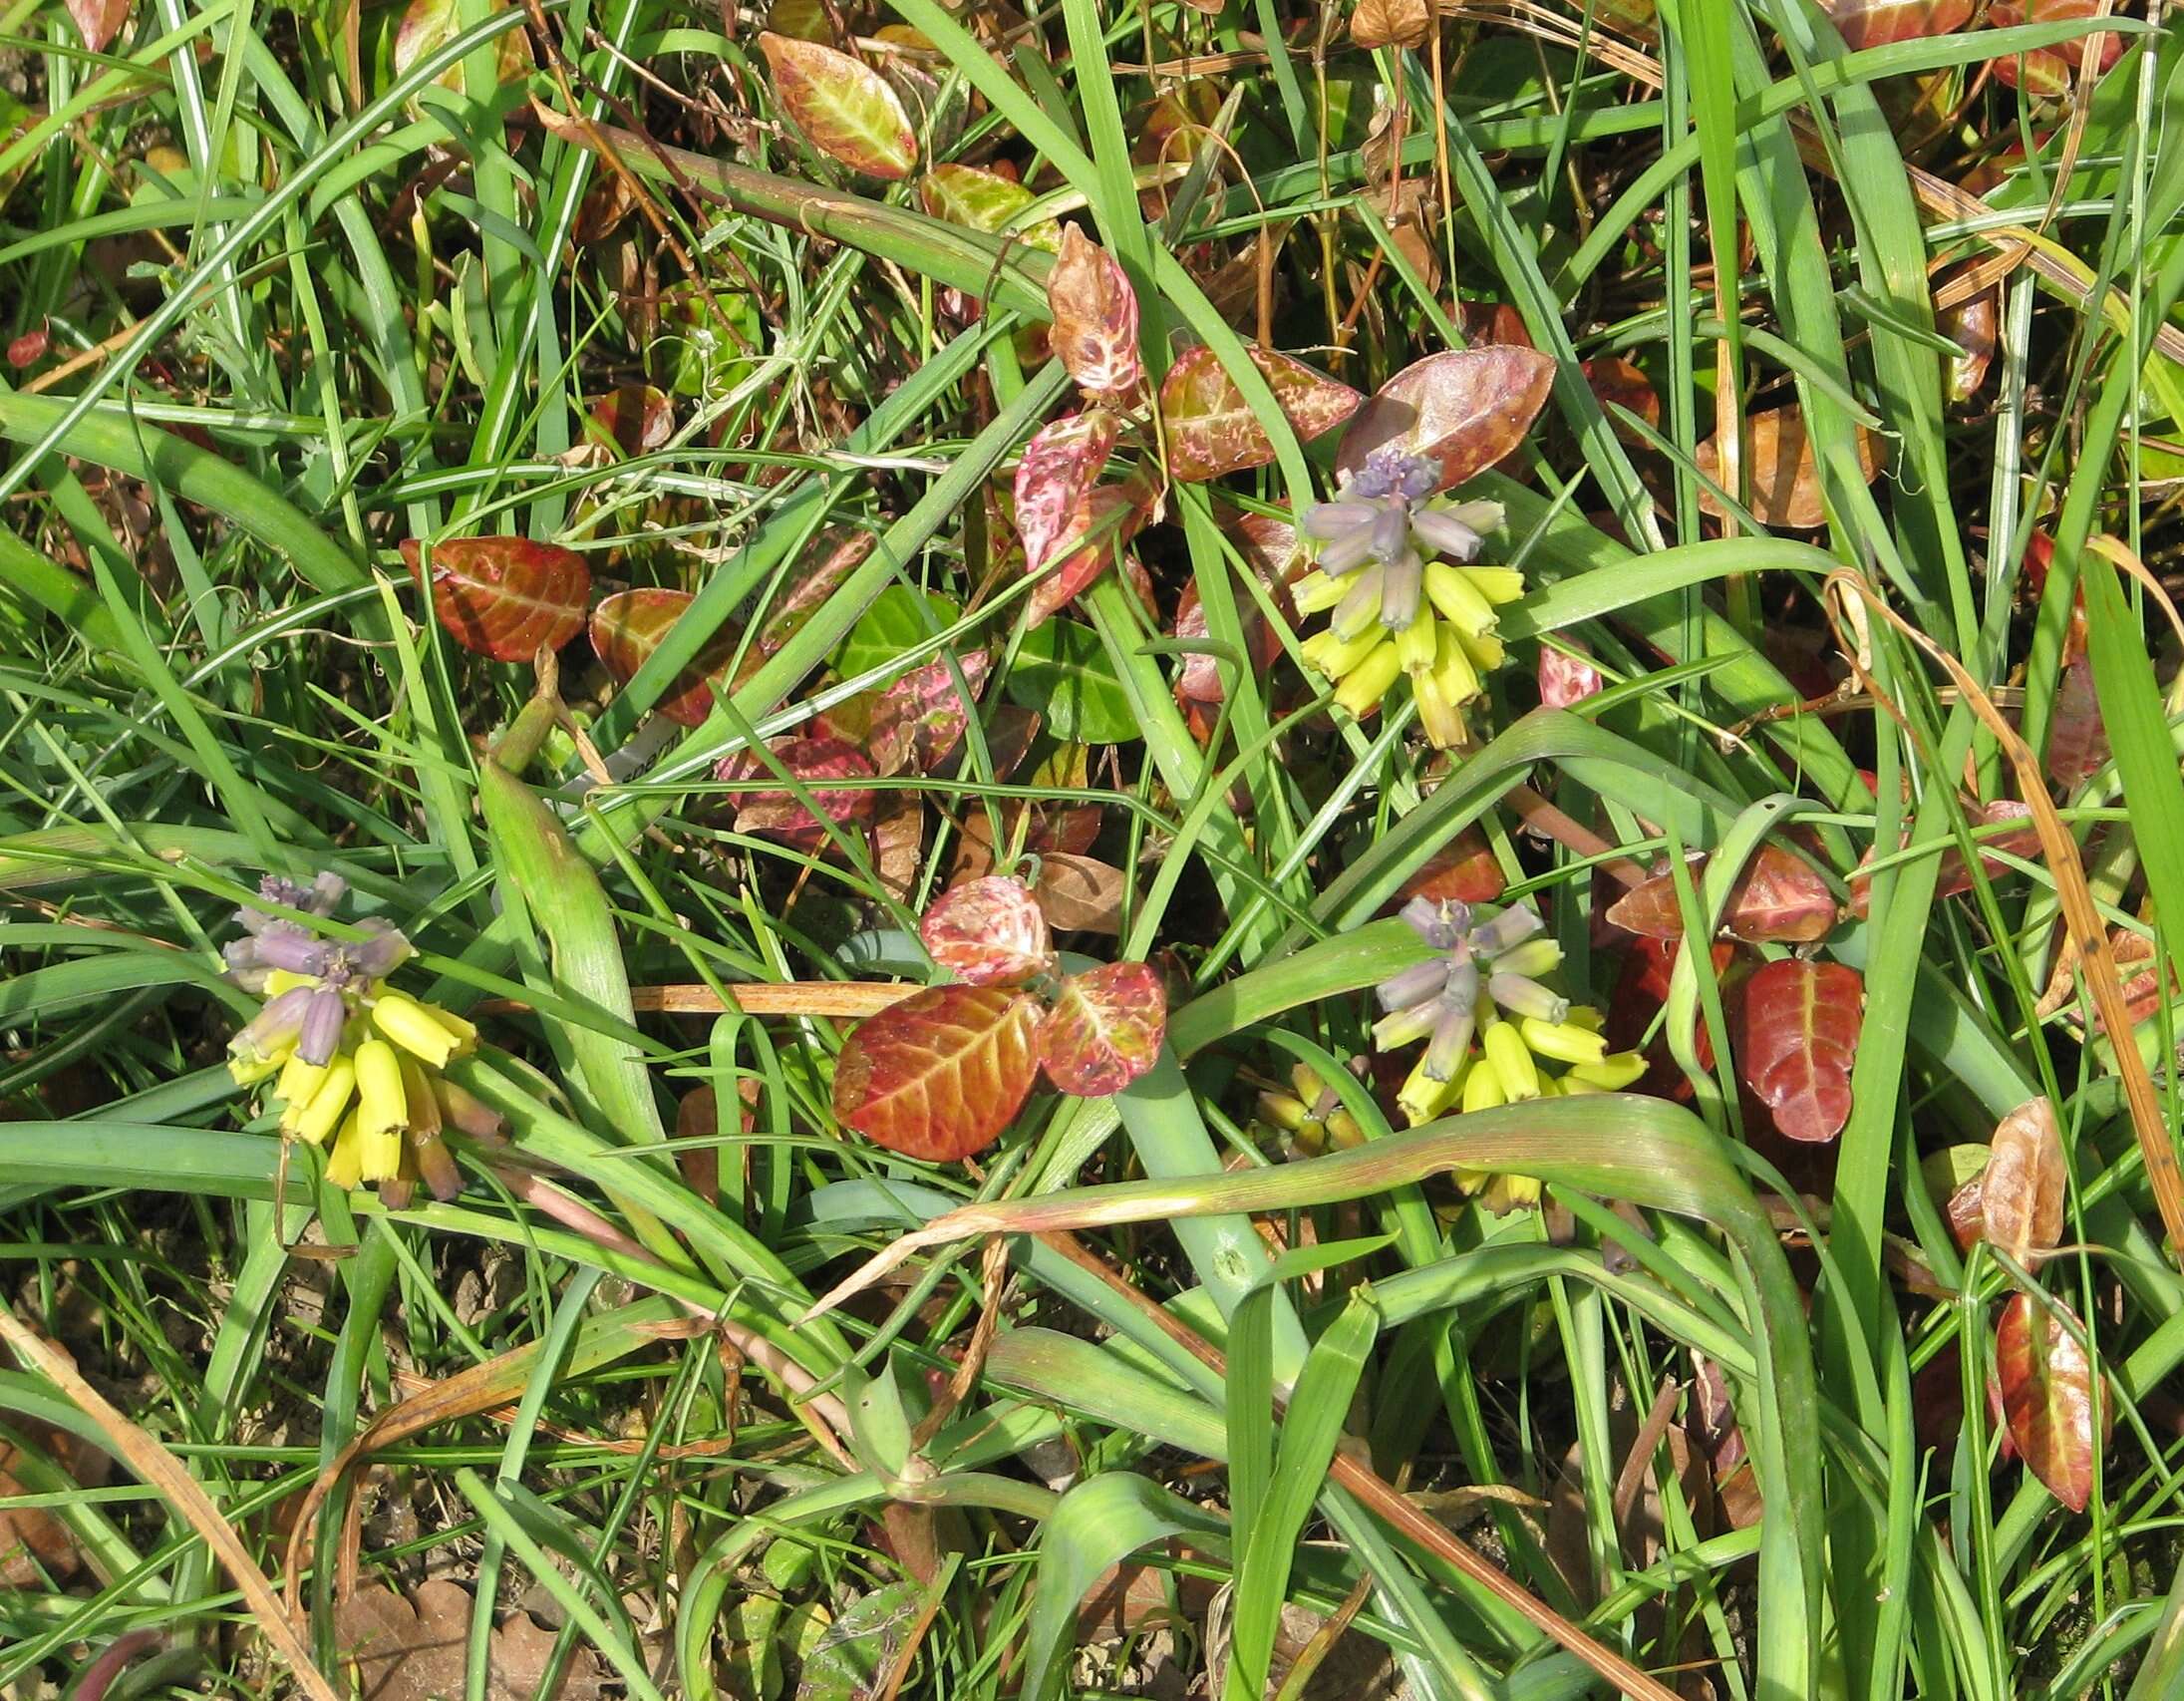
(1851, 602)
(1396, 1509)
(160, 1468)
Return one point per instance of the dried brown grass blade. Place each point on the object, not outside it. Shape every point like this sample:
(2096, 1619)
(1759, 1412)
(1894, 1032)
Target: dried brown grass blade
(164, 1471)
(1850, 600)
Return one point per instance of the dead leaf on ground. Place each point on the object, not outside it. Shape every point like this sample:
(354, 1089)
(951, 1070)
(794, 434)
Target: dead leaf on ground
(1783, 472)
(417, 1648)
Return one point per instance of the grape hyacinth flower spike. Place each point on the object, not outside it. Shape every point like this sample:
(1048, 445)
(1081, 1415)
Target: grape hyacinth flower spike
(1490, 1021)
(351, 1059)
(1399, 575)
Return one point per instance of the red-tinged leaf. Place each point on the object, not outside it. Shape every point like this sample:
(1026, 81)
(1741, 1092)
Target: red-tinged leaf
(1104, 1029)
(939, 1075)
(1210, 428)
(1465, 409)
(1967, 1214)
(2049, 1398)
(845, 109)
(1778, 899)
(2077, 738)
(1463, 871)
(1080, 894)
(628, 627)
(781, 815)
(632, 419)
(1202, 679)
(504, 597)
(29, 348)
(1564, 679)
(1800, 1035)
(1973, 326)
(1615, 380)
(921, 717)
(989, 933)
(2022, 1189)
(1783, 471)
(1109, 517)
(99, 21)
(1054, 479)
(1876, 23)
(2050, 70)
(1095, 333)
(1495, 324)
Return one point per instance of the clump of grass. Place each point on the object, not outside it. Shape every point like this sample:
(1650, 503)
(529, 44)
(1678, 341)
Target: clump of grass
(576, 501)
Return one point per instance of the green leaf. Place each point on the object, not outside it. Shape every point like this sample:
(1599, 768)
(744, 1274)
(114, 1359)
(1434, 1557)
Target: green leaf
(1063, 671)
(845, 109)
(899, 621)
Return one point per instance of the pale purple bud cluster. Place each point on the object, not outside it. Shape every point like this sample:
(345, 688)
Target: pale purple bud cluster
(1439, 997)
(1376, 522)
(311, 1016)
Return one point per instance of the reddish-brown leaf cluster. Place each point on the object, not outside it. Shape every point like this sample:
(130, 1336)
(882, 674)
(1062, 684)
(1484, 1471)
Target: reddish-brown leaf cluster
(939, 1075)
(1800, 1038)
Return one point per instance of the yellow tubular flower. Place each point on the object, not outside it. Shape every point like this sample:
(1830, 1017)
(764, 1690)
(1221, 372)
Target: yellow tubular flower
(1418, 644)
(1366, 683)
(1565, 1042)
(323, 1113)
(1611, 1074)
(465, 1033)
(1496, 585)
(1317, 591)
(1509, 1060)
(1512, 1192)
(1482, 1090)
(379, 1156)
(248, 1072)
(385, 1106)
(280, 980)
(298, 1081)
(345, 1167)
(416, 1029)
(1335, 656)
(1485, 653)
(1460, 601)
(1422, 1098)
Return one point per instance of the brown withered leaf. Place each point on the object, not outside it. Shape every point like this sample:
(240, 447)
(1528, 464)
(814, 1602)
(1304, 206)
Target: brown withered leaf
(1464, 409)
(1080, 894)
(1783, 472)
(2022, 1189)
(99, 21)
(1390, 23)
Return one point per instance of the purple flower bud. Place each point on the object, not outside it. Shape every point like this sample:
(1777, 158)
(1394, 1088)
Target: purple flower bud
(1461, 993)
(321, 1025)
(1451, 1040)
(1446, 533)
(1511, 927)
(325, 892)
(1439, 925)
(1521, 996)
(1391, 533)
(380, 955)
(1330, 521)
(243, 965)
(284, 946)
(276, 1024)
(1418, 477)
(1413, 985)
(1347, 553)
(1401, 587)
(1361, 604)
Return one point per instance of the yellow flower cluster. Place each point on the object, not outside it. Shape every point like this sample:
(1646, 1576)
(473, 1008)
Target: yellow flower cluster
(380, 1097)
(1505, 1069)
(1450, 641)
